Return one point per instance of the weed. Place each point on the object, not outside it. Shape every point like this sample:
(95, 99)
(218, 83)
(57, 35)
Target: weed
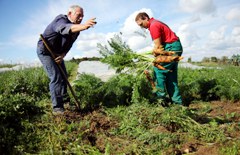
(232, 148)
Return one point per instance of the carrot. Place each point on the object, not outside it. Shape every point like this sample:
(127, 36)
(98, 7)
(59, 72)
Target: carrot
(162, 52)
(178, 58)
(149, 79)
(160, 59)
(159, 66)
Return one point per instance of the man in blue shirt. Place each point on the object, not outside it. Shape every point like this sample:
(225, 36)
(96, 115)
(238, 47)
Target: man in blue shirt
(60, 34)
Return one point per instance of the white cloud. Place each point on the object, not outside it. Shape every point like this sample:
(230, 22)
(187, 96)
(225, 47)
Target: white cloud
(194, 19)
(187, 35)
(137, 38)
(89, 41)
(217, 39)
(233, 14)
(218, 35)
(137, 43)
(235, 38)
(130, 26)
(220, 40)
(197, 6)
(236, 31)
(86, 45)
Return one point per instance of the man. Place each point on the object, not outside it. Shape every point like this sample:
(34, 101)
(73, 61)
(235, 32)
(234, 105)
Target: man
(165, 40)
(60, 34)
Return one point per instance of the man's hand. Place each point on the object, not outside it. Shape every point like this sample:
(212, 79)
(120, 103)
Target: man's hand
(59, 58)
(90, 23)
(81, 27)
(158, 50)
(161, 51)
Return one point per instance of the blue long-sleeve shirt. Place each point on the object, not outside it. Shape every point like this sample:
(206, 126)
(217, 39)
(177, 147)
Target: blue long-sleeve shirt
(58, 35)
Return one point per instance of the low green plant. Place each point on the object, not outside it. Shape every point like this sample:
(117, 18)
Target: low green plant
(160, 140)
(233, 148)
(209, 84)
(123, 89)
(118, 90)
(71, 68)
(88, 91)
(17, 112)
(30, 81)
(177, 118)
(26, 121)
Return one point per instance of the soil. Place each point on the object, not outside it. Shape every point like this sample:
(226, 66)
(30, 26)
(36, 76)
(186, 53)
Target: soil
(100, 124)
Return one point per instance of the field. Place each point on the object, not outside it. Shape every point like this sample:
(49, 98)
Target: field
(121, 116)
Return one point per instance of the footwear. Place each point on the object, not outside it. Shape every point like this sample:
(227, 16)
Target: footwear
(58, 111)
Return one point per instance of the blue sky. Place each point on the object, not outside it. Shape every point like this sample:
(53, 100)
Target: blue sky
(206, 27)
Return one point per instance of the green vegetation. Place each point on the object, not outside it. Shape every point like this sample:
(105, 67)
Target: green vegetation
(121, 116)
(20, 93)
(7, 65)
(24, 98)
(210, 84)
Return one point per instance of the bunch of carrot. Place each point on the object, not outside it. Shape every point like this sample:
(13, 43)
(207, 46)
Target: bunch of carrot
(120, 57)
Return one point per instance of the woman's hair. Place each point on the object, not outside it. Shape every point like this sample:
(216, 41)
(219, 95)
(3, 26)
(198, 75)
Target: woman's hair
(73, 8)
(142, 15)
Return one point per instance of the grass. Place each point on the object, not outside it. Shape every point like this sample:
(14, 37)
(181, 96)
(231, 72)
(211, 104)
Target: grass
(210, 64)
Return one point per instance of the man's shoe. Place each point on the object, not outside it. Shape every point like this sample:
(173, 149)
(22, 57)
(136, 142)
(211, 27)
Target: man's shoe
(58, 111)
